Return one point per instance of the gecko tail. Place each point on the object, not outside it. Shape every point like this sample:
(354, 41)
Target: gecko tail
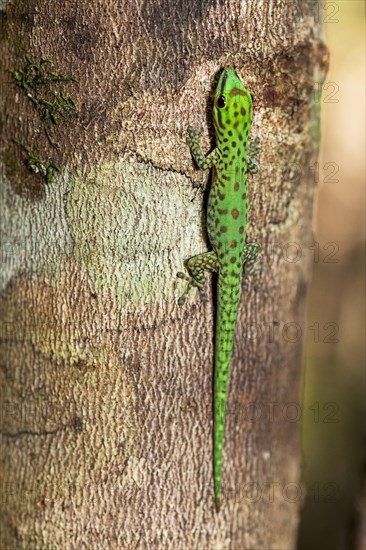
(217, 502)
(228, 301)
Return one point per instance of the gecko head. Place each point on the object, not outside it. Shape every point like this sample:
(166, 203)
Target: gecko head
(232, 104)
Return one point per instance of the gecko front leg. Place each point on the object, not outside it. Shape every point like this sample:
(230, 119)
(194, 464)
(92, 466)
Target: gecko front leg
(203, 162)
(253, 152)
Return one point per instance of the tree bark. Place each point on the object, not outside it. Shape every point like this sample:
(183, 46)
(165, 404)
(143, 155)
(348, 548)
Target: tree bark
(106, 384)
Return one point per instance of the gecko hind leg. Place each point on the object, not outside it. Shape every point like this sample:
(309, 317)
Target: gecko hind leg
(198, 266)
(253, 152)
(252, 265)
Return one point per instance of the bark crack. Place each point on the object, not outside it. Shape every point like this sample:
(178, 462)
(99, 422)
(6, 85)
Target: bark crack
(22, 433)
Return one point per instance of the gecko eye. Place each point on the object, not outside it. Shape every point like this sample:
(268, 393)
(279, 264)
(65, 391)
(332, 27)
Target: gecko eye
(221, 102)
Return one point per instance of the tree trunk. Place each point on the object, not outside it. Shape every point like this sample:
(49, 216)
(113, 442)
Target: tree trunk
(106, 384)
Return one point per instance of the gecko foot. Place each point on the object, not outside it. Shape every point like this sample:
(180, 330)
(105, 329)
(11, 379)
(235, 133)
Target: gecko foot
(191, 284)
(252, 265)
(198, 266)
(253, 152)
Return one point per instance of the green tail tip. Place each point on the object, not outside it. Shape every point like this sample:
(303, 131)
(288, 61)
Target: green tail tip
(217, 503)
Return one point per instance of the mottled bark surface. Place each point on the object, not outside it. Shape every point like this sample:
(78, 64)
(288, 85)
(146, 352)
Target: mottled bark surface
(105, 382)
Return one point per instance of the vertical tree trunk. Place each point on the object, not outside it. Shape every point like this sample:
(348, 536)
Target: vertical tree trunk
(106, 425)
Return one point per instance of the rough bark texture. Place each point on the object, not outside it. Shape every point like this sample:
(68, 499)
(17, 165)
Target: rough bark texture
(106, 436)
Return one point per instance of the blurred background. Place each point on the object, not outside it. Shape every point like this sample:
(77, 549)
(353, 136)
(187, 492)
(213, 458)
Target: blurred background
(333, 430)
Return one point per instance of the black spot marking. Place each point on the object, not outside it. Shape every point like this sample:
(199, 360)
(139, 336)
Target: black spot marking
(219, 120)
(224, 79)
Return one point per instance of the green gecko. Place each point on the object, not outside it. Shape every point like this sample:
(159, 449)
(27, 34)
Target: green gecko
(227, 215)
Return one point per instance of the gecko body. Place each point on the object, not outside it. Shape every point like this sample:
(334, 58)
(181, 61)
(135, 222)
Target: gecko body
(227, 215)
